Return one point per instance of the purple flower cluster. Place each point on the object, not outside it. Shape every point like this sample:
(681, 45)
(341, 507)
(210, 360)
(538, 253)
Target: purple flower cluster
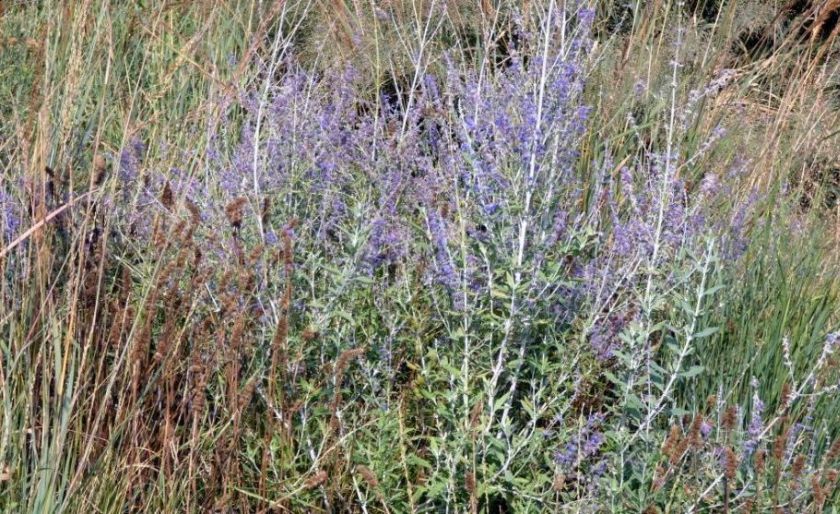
(467, 177)
(583, 445)
(10, 217)
(604, 336)
(756, 422)
(462, 175)
(471, 161)
(130, 161)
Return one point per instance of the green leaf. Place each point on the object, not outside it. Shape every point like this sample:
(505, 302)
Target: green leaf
(692, 371)
(712, 290)
(498, 293)
(706, 332)
(418, 461)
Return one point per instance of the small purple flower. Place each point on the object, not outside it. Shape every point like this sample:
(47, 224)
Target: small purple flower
(584, 445)
(593, 444)
(639, 88)
(604, 337)
(446, 273)
(705, 428)
(10, 215)
(710, 184)
(131, 158)
(756, 423)
(832, 341)
(568, 457)
(586, 16)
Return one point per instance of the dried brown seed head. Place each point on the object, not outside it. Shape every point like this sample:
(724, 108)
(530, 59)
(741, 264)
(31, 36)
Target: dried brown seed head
(817, 490)
(234, 211)
(99, 163)
(760, 456)
(798, 466)
(780, 444)
(344, 359)
(368, 476)
(834, 451)
(195, 213)
(167, 197)
(266, 210)
(659, 475)
(731, 466)
(711, 401)
(785, 396)
(469, 482)
(310, 333)
(256, 253)
(559, 482)
(695, 439)
(672, 441)
(475, 414)
(730, 417)
(315, 480)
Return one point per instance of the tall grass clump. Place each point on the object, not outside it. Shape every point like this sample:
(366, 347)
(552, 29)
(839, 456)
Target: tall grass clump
(414, 257)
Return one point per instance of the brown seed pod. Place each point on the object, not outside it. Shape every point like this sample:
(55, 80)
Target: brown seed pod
(760, 456)
(731, 464)
(316, 480)
(310, 333)
(694, 438)
(368, 475)
(255, 254)
(559, 482)
(785, 396)
(834, 452)
(247, 393)
(711, 401)
(780, 444)
(266, 210)
(234, 212)
(730, 417)
(672, 441)
(798, 466)
(195, 213)
(167, 197)
(99, 166)
(659, 475)
(469, 482)
(475, 414)
(818, 491)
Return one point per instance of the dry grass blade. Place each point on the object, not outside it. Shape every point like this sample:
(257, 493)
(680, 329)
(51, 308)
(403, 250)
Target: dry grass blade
(38, 225)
